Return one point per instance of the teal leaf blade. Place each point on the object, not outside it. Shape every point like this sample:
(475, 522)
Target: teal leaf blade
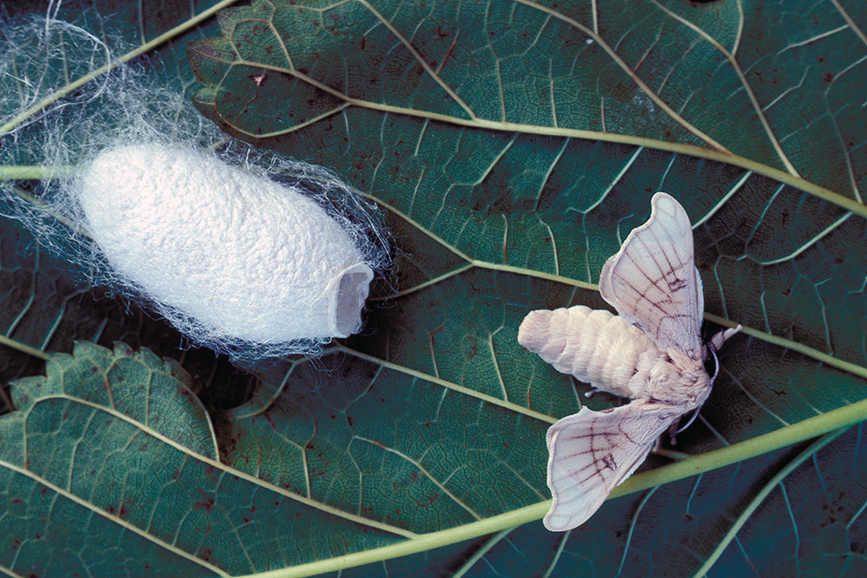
(158, 394)
(527, 210)
(712, 75)
(513, 146)
(390, 447)
(128, 476)
(812, 522)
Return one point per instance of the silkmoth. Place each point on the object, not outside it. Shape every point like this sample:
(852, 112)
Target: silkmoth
(651, 353)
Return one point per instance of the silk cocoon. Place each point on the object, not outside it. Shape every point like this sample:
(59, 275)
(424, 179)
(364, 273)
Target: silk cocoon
(249, 258)
(246, 252)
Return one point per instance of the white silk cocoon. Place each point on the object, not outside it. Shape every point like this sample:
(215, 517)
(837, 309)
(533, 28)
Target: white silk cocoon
(245, 252)
(249, 258)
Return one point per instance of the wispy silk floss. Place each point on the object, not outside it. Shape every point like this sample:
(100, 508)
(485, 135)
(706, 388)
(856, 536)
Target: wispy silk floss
(249, 258)
(249, 254)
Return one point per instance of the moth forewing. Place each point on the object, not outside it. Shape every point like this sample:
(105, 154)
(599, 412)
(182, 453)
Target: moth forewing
(653, 282)
(591, 452)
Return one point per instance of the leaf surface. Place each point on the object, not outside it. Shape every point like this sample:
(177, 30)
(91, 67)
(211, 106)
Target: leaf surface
(145, 467)
(513, 146)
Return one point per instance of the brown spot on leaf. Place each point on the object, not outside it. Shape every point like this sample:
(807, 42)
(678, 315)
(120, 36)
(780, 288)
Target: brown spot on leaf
(207, 504)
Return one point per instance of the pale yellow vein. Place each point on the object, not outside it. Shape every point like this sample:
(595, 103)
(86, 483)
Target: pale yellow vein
(631, 73)
(424, 471)
(418, 57)
(852, 24)
(749, 91)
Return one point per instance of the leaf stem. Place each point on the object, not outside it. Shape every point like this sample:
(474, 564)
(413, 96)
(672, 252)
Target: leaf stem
(803, 430)
(23, 348)
(809, 428)
(27, 172)
(422, 543)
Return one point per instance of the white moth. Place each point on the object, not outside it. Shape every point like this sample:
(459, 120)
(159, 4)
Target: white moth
(651, 352)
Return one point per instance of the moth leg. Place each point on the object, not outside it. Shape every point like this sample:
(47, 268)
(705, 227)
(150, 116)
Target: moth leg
(672, 432)
(588, 394)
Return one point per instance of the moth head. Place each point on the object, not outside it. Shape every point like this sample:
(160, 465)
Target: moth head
(679, 379)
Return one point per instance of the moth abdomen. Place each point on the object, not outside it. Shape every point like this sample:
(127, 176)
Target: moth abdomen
(594, 345)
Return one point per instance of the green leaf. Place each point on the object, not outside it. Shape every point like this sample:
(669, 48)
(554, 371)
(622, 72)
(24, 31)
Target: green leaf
(118, 439)
(133, 385)
(514, 145)
(397, 449)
